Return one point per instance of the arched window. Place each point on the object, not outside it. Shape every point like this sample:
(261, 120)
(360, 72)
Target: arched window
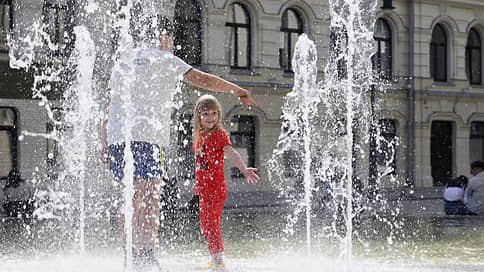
(52, 162)
(382, 60)
(387, 4)
(476, 142)
(243, 138)
(338, 50)
(188, 31)
(442, 137)
(386, 146)
(473, 57)
(5, 23)
(240, 35)
(438, 54)
(8, 140)
(291, 28)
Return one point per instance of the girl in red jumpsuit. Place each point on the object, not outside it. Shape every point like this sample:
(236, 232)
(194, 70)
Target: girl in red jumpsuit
(210, 143)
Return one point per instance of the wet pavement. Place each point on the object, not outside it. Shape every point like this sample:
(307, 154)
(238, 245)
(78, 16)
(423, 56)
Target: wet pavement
(254, 242)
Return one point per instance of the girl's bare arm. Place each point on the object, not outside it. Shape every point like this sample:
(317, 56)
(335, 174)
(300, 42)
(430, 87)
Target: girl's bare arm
(234, 156)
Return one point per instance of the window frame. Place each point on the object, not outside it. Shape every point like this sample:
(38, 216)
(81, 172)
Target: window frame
(338, 41)
(470, 60)
(437, 47)
(53, 163)
(10, 22)
(181, 19)
(13, 135)
(234, 27)
(387, 4)
(286, 53)
(390, 139)
(441, 154)
(478, 136)
(252, 147)
(64, 40)
(387, 74)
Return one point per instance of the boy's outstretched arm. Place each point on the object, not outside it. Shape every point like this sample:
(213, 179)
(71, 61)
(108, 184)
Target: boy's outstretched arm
(217, 84)
(234, 156)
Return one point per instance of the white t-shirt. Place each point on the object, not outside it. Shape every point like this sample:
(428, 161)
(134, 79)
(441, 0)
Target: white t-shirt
(150, 76)
(453, 193)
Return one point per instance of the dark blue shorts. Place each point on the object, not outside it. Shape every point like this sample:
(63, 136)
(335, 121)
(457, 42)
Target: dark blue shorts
(147, 160)
(456, 208)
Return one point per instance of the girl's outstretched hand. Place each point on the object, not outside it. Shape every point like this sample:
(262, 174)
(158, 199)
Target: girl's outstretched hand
(234, 156)
(250, 175)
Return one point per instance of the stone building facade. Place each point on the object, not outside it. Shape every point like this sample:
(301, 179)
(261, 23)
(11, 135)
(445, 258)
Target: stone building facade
(429, 54)
(446, 62)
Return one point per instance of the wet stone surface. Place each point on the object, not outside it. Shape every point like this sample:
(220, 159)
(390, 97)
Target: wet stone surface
(256, 242)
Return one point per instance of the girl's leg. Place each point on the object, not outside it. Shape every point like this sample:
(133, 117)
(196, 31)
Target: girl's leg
(218, 258)
(210, 214)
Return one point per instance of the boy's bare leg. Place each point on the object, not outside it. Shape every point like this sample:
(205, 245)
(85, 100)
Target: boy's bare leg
(136, 207)
(149, 214)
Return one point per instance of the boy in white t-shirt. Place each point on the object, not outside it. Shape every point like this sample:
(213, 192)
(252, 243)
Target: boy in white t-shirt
(149, 76)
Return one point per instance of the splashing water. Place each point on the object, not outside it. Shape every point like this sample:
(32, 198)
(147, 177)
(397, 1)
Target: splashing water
(52, 73)
(127, 106)
(324, 124)
(298, 112)
(77, 131)
(80, 98)
(323, 137)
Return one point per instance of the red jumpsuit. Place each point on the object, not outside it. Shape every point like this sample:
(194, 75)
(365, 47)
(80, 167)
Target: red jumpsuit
(209, 177)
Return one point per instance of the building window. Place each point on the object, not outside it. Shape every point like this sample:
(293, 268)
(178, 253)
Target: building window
(8, 141)
(387, 4)
(477, 142)
(473, 57)
(338, 44)
(6, 23)
(185, 156)
(291, 28)
(58, 24)
(53, 128)
(292, 164)
(188, 31)
(382, 60)
(438, 54)
(242, 136)
(239, 36)
(441, 146)
(386, 147)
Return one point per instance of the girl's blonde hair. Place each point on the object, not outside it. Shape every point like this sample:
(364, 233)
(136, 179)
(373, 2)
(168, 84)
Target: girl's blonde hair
(205, 103)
